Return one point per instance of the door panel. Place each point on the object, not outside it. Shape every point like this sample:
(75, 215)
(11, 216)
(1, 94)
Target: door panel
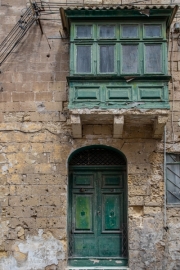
(112, 180)
(84, 246)
(83, 205)
(83, 180)
(111, 206)
(109, 246)
(97, 213)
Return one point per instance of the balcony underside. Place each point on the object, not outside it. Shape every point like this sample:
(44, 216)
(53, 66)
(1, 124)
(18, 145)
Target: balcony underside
(119, 118)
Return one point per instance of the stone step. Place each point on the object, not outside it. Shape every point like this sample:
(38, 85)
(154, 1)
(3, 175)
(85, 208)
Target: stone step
(98, 268)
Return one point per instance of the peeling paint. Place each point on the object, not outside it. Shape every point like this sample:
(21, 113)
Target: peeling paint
(118, 261)
(94, 261)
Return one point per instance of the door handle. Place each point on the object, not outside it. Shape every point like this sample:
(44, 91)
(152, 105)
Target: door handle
(98, 213)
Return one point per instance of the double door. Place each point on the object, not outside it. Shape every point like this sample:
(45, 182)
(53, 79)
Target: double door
(97, 218)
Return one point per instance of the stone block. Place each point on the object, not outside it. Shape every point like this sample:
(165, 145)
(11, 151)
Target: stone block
(107, 130)
(136, 211)
(5, 97)
(152, 210)
(57, 86)
(138, 190)
(97, 129)
(22, 96)
(39, 87)
(29, 200)
(14, 200)
(60, 96)
(87, 129)
(44, 96)
(53, 106)
(136, 200)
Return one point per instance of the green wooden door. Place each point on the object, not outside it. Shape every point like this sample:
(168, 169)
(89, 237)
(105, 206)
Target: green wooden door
(97, 216)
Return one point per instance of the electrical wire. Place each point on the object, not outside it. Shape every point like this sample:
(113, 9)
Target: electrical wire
(82, 4)
(12, 33)
(16, 43)
(13, 29)
(16, 34)
(12, 40)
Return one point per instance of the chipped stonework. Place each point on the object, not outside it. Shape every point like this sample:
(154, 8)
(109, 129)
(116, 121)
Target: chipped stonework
(34, 253)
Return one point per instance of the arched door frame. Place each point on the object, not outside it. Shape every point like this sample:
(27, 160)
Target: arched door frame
(72, 165)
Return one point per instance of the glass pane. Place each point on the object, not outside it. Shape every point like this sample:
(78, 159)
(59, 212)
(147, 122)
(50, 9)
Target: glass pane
(106, 58)
(83, 59)
(107, 31)
(84, 31)
(153, 58)
(173, 184)
(129, 31)
(152, 30)
(171, 158)
(130, 58)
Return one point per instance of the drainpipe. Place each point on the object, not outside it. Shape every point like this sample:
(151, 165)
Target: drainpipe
(165, 228)
(165, 218)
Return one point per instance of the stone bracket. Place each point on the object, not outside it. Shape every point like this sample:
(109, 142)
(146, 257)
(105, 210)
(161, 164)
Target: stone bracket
(118, 126)
(76, 126)
(159, 124)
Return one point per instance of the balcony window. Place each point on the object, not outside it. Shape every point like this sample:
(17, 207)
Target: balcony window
(119, 48)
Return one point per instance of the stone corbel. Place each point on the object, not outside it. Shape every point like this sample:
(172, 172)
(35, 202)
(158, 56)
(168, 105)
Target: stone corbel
(76, 126)
(159, 124)
(118, 126)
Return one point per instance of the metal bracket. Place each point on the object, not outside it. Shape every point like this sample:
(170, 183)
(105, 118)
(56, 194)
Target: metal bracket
(35, 11)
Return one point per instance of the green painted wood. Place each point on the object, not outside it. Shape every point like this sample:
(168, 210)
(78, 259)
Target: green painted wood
(120, 94)
(123, 61)
(97, 210)
(98, 262)
(83, 212)
(165, 13)
(97, 267)
(111, 209)
(95, 89)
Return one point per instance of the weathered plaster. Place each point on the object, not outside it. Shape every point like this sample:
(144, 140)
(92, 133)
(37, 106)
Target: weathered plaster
(36, 252)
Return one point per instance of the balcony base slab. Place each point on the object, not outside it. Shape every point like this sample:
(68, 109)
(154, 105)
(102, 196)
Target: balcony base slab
(119, 118)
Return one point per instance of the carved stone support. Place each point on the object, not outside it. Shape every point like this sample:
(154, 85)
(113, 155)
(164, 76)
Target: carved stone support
(118, 126)
(76, 126)
(159, 124)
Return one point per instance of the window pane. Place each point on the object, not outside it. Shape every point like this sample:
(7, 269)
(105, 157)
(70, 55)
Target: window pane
(83, 59)
(153, 59)
(107, 31)
(129, 31)
(173, 184)
(84, 31)
(107, 58)
(130, 58)
(152, 30)
(171, 158)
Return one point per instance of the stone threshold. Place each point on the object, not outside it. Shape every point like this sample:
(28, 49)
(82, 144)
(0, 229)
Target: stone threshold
(98, 268)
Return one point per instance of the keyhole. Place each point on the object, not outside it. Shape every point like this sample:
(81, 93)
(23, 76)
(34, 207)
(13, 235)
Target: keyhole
(83, 213)
(112, 214)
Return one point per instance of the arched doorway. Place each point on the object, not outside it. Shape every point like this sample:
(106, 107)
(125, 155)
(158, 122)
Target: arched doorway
(97, 222)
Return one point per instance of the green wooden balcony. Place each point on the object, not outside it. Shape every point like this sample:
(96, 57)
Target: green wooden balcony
(113, 93)
(118, 66)
(116, 101)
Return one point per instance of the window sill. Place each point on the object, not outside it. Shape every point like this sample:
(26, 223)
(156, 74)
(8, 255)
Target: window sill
(173, 205)
(119, 78)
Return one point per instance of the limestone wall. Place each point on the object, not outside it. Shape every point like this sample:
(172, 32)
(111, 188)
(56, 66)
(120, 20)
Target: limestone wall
(36, 141)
